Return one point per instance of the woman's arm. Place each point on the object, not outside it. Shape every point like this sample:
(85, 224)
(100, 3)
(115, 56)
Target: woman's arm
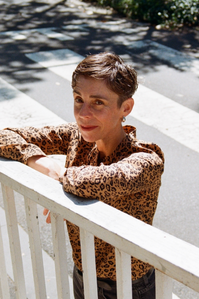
(31, 145)
(22, 144)
(134, 174)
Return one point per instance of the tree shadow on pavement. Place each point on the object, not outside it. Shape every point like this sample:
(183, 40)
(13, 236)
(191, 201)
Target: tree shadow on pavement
(91, 33)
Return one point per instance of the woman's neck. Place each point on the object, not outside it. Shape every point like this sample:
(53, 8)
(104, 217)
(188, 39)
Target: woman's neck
(106, 147)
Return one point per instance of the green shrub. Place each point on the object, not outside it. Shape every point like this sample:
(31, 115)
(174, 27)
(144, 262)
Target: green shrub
(170, 13)
(183, 12)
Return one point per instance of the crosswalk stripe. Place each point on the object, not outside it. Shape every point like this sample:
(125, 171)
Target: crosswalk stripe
(177, 59)
(152, 108)
(62, 62)
(19, 110)
(55, 58)
(49, 32)
(167, 116)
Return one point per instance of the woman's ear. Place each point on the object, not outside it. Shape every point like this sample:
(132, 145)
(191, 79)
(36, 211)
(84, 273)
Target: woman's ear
(127, 106)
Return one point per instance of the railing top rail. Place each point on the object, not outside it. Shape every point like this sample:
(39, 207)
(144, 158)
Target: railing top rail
(170, 255)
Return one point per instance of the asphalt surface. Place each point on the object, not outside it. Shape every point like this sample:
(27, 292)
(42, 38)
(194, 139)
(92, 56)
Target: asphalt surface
(85, 29)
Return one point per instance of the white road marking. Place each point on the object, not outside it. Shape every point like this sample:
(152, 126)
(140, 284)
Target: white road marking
(55, 57)
(152, 108)
(62, 62)
(167, 116)
(49, 32)
(179, 60)
(81, 27)
(113, 26)
(19, 110)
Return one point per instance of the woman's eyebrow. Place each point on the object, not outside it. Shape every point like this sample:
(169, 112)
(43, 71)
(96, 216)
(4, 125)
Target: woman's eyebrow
(76, 91)
(93, 96)
(98, 96)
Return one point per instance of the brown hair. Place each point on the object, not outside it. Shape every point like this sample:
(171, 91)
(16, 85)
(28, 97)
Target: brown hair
(118, 76)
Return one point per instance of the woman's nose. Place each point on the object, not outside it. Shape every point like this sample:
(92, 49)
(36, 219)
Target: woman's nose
(85, 111)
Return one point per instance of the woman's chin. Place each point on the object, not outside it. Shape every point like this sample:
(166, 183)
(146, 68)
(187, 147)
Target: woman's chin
(89, 138)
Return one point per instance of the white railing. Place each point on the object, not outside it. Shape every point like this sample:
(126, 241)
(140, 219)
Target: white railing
(171, 257)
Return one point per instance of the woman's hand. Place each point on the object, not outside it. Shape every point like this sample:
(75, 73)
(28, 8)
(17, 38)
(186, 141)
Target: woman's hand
(46, 166)
(46, 212)
(50, 168)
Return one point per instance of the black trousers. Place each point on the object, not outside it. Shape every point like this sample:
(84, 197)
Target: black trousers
(143, 288)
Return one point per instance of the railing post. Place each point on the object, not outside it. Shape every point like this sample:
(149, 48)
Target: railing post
(59, 247)
(88, 264)
(3, 273)
(15, 248)
(164, 285)
(123, 271)
(35, 248)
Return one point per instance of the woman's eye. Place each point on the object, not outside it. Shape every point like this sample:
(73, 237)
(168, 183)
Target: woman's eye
(78, 100)
(98, 102)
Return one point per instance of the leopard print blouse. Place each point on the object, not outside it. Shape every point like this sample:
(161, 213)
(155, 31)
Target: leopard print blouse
(129, 179)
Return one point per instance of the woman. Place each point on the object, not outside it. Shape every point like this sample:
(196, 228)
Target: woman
(104, 160)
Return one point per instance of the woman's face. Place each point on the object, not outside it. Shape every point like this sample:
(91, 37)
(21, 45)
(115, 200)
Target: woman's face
(96, 110)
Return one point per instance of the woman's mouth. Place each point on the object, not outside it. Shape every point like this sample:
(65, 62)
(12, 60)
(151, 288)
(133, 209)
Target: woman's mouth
(88, 128)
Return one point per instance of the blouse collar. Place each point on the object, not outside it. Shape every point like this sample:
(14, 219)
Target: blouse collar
(113, 157)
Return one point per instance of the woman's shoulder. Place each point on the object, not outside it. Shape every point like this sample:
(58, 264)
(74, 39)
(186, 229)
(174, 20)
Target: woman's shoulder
(70, 129)
(135, 145)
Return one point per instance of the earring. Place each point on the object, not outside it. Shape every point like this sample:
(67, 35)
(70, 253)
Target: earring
(123, 119)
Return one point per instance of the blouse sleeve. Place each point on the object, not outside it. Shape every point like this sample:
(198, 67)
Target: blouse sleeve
(133, 174)
(21, 144)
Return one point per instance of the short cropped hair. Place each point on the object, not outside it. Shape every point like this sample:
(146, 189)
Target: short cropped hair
(118, 76)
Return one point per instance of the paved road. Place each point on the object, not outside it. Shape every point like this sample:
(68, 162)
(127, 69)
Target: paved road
(40, 43)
